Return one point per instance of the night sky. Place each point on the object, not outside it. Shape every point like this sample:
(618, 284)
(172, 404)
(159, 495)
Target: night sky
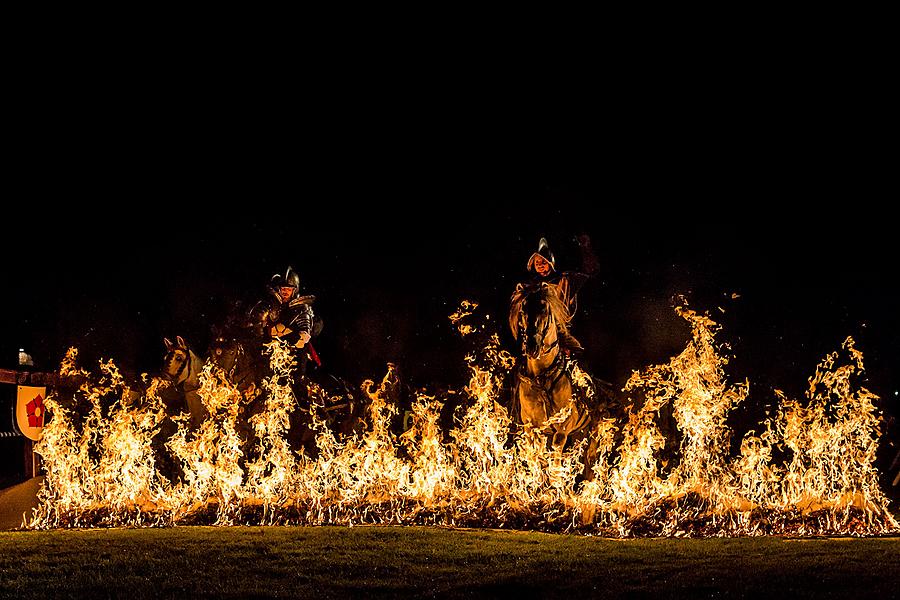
(392, 217)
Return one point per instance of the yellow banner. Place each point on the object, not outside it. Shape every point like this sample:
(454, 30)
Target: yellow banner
(30, 411)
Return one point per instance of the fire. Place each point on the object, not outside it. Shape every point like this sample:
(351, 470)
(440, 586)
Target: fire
(269, 474)
(833, 439)
(101, 451)
(466, 309)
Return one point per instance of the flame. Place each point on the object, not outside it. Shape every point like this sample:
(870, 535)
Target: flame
(466, 309)
(833, 439)
(269, 474)
(103, 451)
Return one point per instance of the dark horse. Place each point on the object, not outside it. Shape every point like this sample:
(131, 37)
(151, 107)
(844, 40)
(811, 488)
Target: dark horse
(241, 359)
(543, 394)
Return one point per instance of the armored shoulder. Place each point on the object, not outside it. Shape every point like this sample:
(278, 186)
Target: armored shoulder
(301, 300)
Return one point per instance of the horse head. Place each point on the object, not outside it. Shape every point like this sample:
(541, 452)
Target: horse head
(225, 352)
(240, 357)
(182, 367)
(177, 361)
(535, 316)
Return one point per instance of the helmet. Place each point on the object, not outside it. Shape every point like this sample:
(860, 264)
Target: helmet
(290, 279)
(543, 251)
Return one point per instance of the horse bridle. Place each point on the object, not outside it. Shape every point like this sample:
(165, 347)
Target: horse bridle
(549, 349)
(556, 369)
(176, 379)
(238, 353)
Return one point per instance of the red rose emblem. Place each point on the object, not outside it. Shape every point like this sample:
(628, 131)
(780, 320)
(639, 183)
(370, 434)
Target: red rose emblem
(35, 410)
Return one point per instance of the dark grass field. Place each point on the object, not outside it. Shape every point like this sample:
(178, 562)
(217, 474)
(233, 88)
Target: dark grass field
(388, 562)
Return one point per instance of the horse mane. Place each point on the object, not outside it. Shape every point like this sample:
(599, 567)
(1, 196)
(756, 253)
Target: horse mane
(546, 291)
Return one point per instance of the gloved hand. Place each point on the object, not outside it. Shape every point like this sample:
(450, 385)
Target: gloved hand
(303, 339)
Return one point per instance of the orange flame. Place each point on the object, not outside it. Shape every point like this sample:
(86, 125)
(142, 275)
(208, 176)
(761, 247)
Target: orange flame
(100, 457)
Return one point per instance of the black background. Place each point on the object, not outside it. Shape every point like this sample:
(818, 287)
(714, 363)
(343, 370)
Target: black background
(148, 211)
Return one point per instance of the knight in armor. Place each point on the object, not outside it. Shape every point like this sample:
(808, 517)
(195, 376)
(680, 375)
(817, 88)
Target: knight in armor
(542, 266)
(288, 315)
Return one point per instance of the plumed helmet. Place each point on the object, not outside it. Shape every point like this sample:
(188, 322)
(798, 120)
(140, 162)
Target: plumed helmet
(543, 251)
(290, 279)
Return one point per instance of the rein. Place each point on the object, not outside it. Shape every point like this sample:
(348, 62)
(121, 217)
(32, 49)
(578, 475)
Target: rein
(549, 349)
(248, 371)
(550, 377)
(243, 369)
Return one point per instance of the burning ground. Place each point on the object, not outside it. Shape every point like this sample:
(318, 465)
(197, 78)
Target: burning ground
(806, 470)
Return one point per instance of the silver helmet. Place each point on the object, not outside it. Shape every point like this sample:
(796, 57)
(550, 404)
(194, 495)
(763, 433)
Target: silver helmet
(544, 252)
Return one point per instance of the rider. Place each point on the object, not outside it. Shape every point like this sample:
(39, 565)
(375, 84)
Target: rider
(542, 265)
(287, 315)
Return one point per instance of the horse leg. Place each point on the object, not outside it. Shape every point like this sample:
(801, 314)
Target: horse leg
(309, 445)
(559, 441)
(560, 399)
(196, 408)
(300, 434)
(532, 408)
(590, 457)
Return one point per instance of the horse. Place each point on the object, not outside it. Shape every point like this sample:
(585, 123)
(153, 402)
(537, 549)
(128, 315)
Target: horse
(182, 367)
(241, 359)
(543, 393)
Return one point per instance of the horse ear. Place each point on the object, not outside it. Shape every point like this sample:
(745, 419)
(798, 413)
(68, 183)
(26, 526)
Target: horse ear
(519, 287)
(168, 344)
(180, 341)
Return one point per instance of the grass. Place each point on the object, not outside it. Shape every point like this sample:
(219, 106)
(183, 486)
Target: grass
(386, 562)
